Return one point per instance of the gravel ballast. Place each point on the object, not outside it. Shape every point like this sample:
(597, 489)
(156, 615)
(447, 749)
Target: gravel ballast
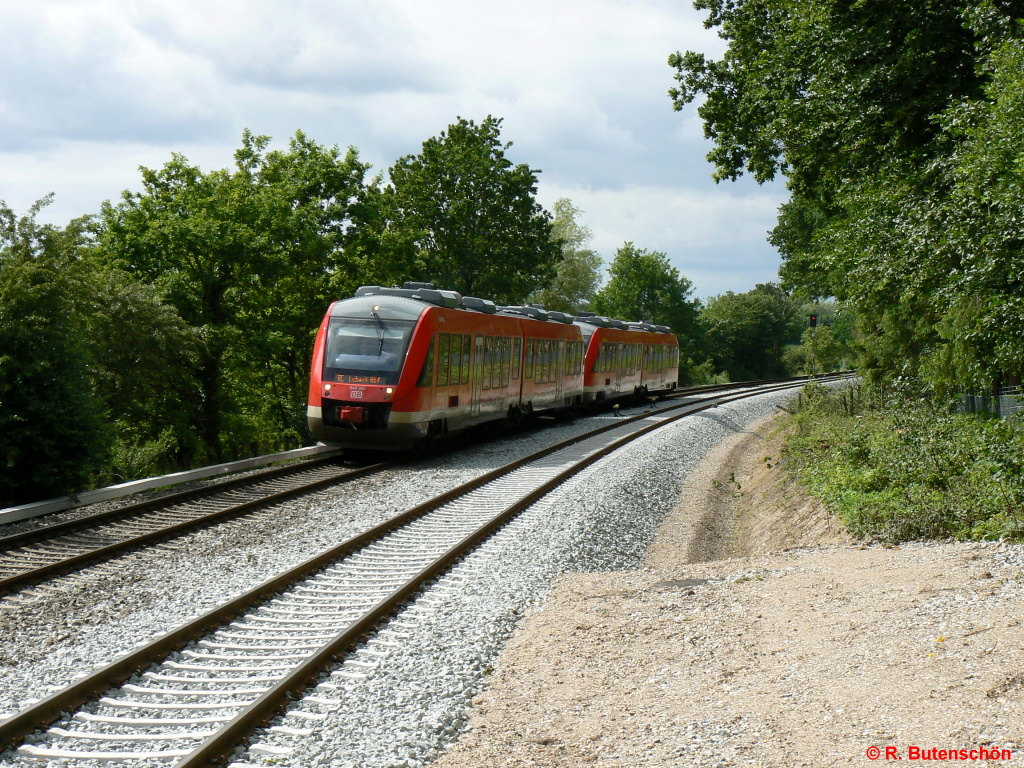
(415, 701)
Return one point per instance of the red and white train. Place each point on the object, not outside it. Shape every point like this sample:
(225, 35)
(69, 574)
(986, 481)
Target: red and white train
(395, 367)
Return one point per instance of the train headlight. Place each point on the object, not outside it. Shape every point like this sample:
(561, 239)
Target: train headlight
(388, 391)
(327, 389)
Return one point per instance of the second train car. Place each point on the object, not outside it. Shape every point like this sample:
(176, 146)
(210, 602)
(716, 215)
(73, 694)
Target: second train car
(394, 368)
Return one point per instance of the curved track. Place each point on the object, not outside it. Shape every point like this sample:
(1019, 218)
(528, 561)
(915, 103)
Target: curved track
(34, 556)
(231, 670)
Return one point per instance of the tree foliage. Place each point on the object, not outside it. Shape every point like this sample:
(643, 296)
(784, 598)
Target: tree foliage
(748, 332)
(51, 430)
(468, 217)
(896, 126)
(578, 273)
(247, 257)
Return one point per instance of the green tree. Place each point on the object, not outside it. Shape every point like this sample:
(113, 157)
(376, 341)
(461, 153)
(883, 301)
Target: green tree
(469, 217)
(825, 92)
(578, 273)
(896, 127)
(819, 350)
(748, 332)
(981, 333)
(247, 257)
(51, 432)
(142, 355)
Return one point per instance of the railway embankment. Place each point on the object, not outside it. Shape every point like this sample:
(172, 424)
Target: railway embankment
(760, 633)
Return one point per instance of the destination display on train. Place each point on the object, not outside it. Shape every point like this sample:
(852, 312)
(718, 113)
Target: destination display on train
(347, 378)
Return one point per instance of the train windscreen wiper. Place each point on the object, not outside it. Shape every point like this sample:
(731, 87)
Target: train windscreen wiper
(380, 331)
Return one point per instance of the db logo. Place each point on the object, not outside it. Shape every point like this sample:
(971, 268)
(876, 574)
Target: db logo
(356, 394)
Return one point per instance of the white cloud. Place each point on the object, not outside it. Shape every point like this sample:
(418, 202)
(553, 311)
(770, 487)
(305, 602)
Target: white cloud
(715, 235)
(97, 87)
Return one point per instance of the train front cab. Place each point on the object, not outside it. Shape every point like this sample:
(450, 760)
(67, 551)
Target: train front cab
(365, 360)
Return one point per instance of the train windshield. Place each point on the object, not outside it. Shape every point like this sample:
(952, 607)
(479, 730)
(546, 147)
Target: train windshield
(366, 351)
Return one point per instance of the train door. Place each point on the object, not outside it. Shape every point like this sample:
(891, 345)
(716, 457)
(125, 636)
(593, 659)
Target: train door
(619, 362)
(559, 370)
(478, 374)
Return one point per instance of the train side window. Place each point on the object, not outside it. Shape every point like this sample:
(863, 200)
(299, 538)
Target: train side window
(466, 341)
(443, 358)
(560, 362)
(485, 378)
(517, 355)
(495, 358)
(506, 360)
(528, 373)
(495, 362)
(455, 360)
(426, 378)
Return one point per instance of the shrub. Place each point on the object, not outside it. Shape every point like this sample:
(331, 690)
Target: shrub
(899, 467)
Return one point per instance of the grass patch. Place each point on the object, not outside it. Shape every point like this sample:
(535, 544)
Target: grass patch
(897, 468)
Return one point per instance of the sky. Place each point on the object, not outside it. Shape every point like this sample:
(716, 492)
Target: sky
(93, 89)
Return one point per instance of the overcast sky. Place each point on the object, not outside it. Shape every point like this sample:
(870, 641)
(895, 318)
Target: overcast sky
(92, 89)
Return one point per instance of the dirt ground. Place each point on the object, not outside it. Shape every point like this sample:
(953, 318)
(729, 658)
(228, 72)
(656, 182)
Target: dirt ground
(759, 634)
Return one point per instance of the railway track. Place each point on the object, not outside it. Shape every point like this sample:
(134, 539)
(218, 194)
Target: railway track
(221, 676)
(33, 556)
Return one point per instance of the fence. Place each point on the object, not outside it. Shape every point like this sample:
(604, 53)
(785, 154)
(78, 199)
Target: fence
(1008, 402)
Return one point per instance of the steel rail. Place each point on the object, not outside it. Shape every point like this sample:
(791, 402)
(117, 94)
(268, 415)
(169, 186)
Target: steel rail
(68, 564)
(34, 575)
(39, 715)
(145, 505)
(217, 749)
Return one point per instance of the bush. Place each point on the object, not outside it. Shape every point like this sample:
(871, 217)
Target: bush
(898, 467)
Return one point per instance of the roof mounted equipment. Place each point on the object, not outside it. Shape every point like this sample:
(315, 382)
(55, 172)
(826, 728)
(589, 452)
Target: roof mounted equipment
(480, 305)
(448, 299)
